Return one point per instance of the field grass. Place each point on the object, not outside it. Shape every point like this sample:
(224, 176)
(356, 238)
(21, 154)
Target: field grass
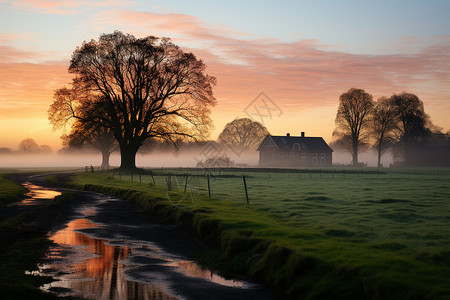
(315, 234)
(9, 190)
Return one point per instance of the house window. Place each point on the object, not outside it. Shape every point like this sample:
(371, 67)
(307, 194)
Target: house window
(281, 154)
(322, 158)
(303, 160)
(314, 158)
(296, 147)
(291, 154)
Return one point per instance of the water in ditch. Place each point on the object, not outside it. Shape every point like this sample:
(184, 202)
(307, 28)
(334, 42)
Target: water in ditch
(108, 251)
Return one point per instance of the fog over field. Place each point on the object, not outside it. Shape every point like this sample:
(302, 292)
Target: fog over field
(156, 159)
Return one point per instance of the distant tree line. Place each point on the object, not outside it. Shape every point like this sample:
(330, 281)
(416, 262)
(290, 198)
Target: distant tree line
(27, 146)
(398, 123)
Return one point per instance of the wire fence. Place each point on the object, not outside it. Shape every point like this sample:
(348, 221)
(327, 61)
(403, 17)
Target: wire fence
(190, 184)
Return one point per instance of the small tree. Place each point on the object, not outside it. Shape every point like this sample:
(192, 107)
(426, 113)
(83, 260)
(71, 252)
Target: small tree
(28, 146)
(45, 149)
(353, 119)
(100, 138)
(242, 135)
(383, 125)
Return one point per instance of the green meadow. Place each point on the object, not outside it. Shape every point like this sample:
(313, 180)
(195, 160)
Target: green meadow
(313, 233)
(9, 190)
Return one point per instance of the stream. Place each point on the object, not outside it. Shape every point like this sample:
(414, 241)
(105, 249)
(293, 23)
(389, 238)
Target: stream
(109, 251)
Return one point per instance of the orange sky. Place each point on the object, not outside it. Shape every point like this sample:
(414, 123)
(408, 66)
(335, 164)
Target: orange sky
(303, 77)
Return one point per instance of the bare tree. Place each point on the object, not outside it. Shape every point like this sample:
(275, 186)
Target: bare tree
(383, 125)
(413, 124)
(149, 87)
(353, 119)
(28, 145)
(100, 138)
(243, 134)
(85, 132)
(45, 149)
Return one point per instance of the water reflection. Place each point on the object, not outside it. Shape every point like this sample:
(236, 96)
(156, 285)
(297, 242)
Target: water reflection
(191, 269)
(85, 265)
(37, 193)
(96, 269)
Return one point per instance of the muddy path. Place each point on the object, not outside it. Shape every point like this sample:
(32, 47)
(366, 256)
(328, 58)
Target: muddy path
(106, 249)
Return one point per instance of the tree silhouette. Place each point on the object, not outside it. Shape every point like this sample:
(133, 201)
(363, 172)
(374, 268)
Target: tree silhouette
(149, 87)
(101, 138)
(45, 149)
(242, 135)
(353, 119)
(383, 125)
(412, 124)
(28, 145)
(84, 131)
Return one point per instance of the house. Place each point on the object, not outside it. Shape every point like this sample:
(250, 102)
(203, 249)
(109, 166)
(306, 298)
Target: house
(294, 151)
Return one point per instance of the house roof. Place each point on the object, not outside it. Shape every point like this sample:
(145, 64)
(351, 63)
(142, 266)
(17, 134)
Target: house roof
(286, 143)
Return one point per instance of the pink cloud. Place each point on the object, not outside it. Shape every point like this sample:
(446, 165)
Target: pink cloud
(301, 74)
(298, 75)
(26, 89)
(61, 7)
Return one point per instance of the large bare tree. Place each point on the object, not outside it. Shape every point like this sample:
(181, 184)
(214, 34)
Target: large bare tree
(384, 122)
(243, 134)
(353, 119)
(150, 88)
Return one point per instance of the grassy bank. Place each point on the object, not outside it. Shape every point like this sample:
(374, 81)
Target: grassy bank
(23, 243)
(312, 235)
(10, 191)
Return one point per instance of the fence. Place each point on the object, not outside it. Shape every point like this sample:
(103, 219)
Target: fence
(248, 185)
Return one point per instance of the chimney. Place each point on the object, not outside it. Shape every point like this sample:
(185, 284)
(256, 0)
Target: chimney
(288, 134)
(303, 134)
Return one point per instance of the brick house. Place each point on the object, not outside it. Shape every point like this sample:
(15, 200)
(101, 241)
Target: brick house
(294, 151)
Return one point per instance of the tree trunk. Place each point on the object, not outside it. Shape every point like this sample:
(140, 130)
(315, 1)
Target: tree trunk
(355, 153)
(105, 159)
(128, 157)
(379, 154)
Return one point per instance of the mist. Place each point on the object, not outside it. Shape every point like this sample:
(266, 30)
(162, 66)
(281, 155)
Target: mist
(368, 158)
(158, 159)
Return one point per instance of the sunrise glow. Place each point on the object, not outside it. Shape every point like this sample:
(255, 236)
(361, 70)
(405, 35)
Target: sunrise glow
(302, 63)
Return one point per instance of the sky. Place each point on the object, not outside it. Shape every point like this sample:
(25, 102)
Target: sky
(283, 63)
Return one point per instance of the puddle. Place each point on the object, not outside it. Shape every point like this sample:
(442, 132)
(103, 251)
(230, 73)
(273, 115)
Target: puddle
(91, 268)
(191, 269)
(37, 194)
(94, 268)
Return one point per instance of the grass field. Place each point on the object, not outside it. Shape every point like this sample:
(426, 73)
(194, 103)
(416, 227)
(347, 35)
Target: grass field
(9, 190)
(325, 233)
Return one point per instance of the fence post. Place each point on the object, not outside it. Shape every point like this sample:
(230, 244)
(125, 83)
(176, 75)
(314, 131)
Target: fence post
(169, 182)
(185, 183)
(209, 188)
(153, 178)
(245, 186)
